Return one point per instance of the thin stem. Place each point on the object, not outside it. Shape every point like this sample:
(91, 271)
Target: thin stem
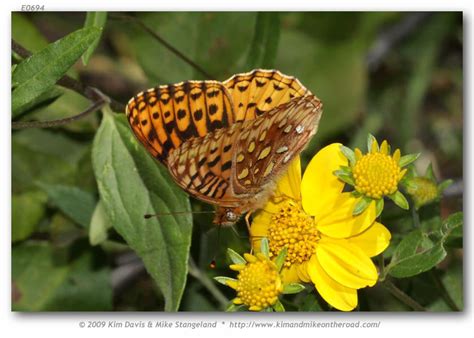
(402, 296)
(444, 293)
(207, 283)
(381, 263)
(416, 217)
(55, 123)
(70, 83)
(165, 43)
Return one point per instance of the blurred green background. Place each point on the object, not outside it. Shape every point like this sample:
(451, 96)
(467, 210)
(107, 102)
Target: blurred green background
(396, 75)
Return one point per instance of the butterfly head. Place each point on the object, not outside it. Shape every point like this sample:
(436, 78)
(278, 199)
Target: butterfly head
(226, 216)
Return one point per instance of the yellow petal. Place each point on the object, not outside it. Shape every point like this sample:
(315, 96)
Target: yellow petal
(289, 185)
(358, 154)
(290, 274)
(250, 258)
(255, 308)
(302, 271)
(337, 295)
(337, 220)
(384, 147)
(319, 186)
(259, 228)
(372, 241)
(375, 147)
(237, 267)
(396, 155)
(237, 301)
(346, 263)
(233, 284)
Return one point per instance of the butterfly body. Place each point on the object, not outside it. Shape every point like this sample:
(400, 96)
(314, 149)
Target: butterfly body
(222, 144)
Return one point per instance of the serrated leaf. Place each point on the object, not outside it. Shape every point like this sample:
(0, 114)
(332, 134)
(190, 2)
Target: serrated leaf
(407, 159)
(361, 205)
(399, 199)
(349, 154)
(131, 184)
(264, 45)
(74, 202)
(38, 73)
(99, 226)
(292, 288)
(235, 257)
(223, 280)
(93, 19)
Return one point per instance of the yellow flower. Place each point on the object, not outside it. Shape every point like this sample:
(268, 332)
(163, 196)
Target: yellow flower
(375, 174)
(258, 282)
(326, 244)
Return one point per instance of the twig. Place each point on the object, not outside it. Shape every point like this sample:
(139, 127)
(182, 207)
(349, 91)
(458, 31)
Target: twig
(444, 293)
(70, 83)
(388, 39)
(165, 43)
(207, 283)
(402, 296)
(55, 123)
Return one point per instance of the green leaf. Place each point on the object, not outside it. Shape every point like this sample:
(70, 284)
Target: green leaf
(38, 74)
(407, 159)
(444, 184)
(292, 288)
(26, 34)
(223, 280)
(27, 210)
(264, 45)
(453, 222)
(132, 184)
(349, 154)
(264, 248)
(93, 19)
(99, 226)
(379, 204)
(280, 260)
(40, 102)
(278, 306)
(74, 202)
(235, 257)
(233, 308)
(399, 200)
(430, 173)
(47, 280)
(361, 205)
(418, 263)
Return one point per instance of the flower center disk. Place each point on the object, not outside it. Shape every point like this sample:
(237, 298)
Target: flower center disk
(292, 228)
(376, 174)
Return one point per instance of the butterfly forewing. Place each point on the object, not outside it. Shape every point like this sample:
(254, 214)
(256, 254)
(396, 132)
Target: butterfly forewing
(259, 91)
(164, 117)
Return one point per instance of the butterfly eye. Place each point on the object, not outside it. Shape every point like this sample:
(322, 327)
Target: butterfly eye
(230, 216)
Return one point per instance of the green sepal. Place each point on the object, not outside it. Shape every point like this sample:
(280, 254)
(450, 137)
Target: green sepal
(443, 185)
(407, 159)
(235, 257)
(264, 247)
(223, 280)
(280, 260)
(361, 205)
(379, 204)
(278, 306)
(400, 200)
(370, 141)
(344, 176)
(349, 154)
(233, 307)
(293, 288)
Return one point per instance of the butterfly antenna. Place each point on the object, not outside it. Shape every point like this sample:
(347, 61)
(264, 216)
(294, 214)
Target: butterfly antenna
(147, 216)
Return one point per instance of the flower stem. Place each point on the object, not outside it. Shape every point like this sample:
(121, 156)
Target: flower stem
(207, 283)
(444, 293)
(402, 296)
(416, 217)
(381, 263)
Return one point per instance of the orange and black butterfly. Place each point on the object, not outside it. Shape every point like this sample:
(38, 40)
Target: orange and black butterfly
(226, 143)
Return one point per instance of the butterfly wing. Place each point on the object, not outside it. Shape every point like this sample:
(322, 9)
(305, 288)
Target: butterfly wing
(260, 90)
(164, 117)
(268, 143)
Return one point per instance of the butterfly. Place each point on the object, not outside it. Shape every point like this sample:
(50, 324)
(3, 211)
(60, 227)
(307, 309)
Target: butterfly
(227, 143)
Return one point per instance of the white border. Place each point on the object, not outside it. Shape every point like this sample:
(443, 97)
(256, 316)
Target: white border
(392, 324)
